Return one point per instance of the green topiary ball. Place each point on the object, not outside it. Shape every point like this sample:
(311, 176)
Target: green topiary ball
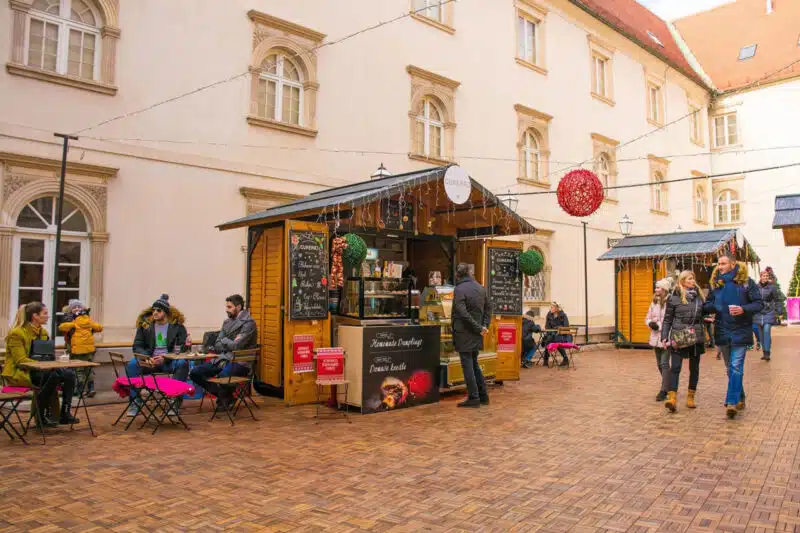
(356, 250)
(531, 262)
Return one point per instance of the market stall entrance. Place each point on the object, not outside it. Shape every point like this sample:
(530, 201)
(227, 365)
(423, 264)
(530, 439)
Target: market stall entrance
(641, 260)
(417, 227)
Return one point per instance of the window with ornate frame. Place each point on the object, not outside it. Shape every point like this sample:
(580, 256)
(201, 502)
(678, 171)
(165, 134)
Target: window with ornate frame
(533, 146)
(431, 117)
(700, 204)
(68, 42)
(436, 13)
(696, 125)
(534, 288)
(728, 208)
(726, 130)
(604, 155)
(655, 86)
(530, 35)
(602, 70)
(659, 190)
(283, 66)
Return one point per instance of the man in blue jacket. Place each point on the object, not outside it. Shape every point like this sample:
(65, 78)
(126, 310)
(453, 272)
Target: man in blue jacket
(735, 299)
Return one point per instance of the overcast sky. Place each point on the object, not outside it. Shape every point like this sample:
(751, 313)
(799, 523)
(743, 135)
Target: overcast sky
(674, 9)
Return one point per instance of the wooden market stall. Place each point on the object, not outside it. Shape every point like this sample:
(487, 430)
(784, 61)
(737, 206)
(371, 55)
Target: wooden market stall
(417, 227)
(641, 260)
(787, 219)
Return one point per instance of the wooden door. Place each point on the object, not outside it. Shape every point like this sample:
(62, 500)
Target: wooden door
(508, 363)
(641, 295)
(623, 280)
(300, 388)
(266, 302)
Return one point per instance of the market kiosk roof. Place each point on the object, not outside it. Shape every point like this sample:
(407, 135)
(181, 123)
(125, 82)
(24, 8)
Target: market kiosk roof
(367, 192)
(673, 245)
(787, 218)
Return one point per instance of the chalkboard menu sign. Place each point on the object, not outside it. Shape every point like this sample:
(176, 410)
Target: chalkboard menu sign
(505, 281)
(398, 215)
(308, 275)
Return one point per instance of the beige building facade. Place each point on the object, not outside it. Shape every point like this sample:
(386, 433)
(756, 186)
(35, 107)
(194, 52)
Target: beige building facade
(516, 92)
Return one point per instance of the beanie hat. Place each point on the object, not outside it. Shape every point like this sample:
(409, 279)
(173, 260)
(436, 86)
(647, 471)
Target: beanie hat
(74, 304)
(665, 284)
(162, 303)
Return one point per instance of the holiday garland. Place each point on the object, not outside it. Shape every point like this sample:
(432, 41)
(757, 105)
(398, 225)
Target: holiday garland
(337, 269)
(531, 262)
(580, 193)
(356, 250)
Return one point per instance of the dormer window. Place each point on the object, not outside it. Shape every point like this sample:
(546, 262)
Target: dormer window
(747, 52)
(656, 39)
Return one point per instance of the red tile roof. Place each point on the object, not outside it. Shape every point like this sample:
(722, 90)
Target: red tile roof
(716, 37)
(634, 21)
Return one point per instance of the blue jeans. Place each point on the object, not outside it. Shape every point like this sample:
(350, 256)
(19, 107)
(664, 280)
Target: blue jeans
(757, 333)
(529, 355)
(178, 369)
(764, 336)
(735, 375)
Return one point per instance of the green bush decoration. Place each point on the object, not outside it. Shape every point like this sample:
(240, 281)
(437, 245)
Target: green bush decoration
(531, 262)
(356, 250)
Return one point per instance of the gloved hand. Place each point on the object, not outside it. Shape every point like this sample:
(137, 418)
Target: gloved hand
(653, 326)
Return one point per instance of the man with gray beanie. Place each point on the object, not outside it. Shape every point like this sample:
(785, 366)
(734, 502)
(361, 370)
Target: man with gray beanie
(472, 313)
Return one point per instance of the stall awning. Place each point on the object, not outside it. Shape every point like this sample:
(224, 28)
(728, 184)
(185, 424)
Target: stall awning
(672, 245)
(363, 193)
(787, 218)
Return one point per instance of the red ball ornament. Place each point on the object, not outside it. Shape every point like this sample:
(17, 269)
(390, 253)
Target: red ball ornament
(580, 193)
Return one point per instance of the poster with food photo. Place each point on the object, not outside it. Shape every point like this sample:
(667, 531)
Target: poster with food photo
(400, 367)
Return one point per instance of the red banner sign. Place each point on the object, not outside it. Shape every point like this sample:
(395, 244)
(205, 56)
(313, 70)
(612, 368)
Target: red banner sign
(303, 351)
(330, 365)
(506, 337)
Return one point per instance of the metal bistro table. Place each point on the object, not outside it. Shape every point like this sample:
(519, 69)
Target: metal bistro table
(84, 367)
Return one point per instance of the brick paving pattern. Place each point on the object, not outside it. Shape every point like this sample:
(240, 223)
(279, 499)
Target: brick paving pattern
(584, 451)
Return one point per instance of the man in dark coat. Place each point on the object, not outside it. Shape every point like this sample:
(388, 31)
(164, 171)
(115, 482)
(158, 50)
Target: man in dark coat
(471, 316)
(734, 299)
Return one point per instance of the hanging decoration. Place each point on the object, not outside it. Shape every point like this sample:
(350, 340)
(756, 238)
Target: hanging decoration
(337, 268)
(580, 193)
(355, 251)
(531, 262)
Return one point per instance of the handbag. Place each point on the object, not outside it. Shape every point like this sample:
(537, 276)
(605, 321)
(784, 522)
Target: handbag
(43, 350)
(683, 338)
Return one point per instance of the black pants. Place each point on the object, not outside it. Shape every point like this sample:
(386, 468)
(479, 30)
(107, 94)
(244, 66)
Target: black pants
(563, 353)
(48, 383)
(676, 362)
(202, 373)
(473, 376)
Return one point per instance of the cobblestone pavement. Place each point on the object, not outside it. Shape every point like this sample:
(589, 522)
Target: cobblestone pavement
(583, 451)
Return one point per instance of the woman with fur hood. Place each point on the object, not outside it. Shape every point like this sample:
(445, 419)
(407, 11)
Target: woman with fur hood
(654, 321)
(735, 299)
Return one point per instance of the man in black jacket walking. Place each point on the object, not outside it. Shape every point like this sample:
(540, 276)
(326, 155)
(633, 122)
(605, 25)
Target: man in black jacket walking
(471, 316)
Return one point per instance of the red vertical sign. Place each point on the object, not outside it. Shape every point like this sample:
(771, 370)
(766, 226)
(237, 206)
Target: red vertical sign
(330, 365)
(303, 351)
(506, 337)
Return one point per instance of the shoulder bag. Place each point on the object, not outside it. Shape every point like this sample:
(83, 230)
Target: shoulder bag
(683, 338)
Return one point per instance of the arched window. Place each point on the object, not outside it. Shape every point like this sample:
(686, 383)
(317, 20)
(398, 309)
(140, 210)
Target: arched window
(531, 154)
(604, 170)
(534, 288)
(429, 132)
(34, 255)
(659, 192)
(700, 204)
(280, 90)
(64, 37)
(728, 207)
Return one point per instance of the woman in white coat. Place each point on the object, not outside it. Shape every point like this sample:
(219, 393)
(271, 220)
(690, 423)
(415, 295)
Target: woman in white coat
(654, 320)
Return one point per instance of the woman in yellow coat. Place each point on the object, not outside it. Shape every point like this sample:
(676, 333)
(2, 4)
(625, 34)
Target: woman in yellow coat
(18, 351)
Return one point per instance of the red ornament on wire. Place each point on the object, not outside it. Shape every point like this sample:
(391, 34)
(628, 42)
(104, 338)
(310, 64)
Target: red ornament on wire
(580, 193)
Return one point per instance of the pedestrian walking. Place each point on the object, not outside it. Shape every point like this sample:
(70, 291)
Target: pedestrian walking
(472, 313)
(683, 333)
(654, 320)
(735, 300)
(768, 316)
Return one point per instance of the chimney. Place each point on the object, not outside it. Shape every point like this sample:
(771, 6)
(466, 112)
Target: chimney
(770, 6)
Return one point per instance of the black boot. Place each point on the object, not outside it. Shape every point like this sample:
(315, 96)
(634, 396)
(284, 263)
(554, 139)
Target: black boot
(470, 403)
(484, 399)
(662, 396)
(765, 357)
(66, 416)
(46, 419)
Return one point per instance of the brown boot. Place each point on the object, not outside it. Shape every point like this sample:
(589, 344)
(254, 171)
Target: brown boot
(690, 403)
(731, 411)
(672, 401)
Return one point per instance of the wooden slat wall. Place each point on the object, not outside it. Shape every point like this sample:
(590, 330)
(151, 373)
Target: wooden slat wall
(266, 278)
(301, 388)
(623, 301)
(642, 287)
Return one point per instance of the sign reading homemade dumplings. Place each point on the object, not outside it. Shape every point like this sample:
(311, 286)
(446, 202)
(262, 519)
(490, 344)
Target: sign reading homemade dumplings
(308, 279)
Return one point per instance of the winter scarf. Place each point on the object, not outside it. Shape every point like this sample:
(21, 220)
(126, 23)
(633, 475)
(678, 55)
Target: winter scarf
(730, 293)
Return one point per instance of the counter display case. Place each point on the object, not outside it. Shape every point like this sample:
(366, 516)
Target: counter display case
(376, 298)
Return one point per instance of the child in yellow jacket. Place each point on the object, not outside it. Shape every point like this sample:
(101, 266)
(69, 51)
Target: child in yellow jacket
(79, 329)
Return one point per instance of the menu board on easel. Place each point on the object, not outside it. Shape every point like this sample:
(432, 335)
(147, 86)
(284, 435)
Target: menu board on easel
(308, 267)
(504, 281)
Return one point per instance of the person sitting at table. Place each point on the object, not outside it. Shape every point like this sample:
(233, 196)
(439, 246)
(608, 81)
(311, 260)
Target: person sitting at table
(18, 351)
(556, 318)
(238, 332)
(159, 330)
(529, 327)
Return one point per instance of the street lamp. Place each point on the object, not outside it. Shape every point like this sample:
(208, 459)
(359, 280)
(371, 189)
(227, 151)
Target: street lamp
(511, 201)
(380, 173)
(625, 225)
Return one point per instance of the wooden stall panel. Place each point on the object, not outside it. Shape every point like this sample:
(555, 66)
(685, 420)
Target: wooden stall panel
(266, 300)
(641, 296)
(301, 388)
(508, 363)
(623, 301)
